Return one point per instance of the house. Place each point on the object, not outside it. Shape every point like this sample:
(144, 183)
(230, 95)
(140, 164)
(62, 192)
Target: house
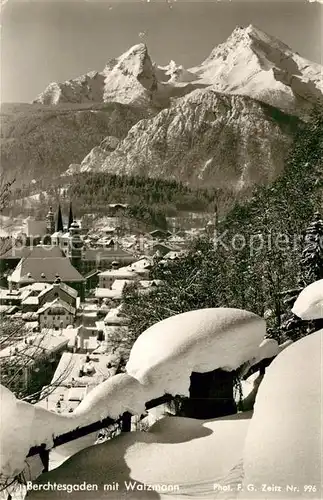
(160, 234)
(56, 315)
(160, 249)
(116, 317)
(102, 258)
(143, 266)
(45, 265)
(104, 294)
(107, 278)
(61, 239)
(10, 259)
(75, 376)
(26, 298)
(174, 255)
(59, 290)
(9, 297)
(35, 357)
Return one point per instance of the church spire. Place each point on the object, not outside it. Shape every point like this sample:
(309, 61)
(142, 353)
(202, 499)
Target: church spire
(70, 217)
(59, 226)
(50, 221)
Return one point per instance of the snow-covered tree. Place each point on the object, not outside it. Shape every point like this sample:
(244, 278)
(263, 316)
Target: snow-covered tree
(312, 256)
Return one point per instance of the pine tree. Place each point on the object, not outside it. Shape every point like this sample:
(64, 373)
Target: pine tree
(70, 217)
(59, 226)
(311, 270)
(312, 256)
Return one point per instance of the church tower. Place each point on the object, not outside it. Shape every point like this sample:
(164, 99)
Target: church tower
(75, 245)
(59, 226)
(70, 217)
(50, 221)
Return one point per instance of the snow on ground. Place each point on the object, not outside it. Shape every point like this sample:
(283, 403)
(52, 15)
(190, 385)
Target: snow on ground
(284, 440)
(178, 455)
(167, 353)
(309, 304)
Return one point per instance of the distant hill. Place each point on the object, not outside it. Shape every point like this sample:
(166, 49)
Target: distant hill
(40, 142)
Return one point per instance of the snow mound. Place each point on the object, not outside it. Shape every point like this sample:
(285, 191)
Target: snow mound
(22, 426)
(168, 352)
(174, 456)
(112, 398)
(309, 304)
(118, 394)
(284, 440)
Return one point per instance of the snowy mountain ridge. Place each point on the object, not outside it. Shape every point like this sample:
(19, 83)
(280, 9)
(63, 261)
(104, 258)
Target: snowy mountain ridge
(253, 63)
(250, 62)
(128, 79)
(228, 121)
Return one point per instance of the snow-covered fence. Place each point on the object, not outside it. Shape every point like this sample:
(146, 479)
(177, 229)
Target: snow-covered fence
(125, 426)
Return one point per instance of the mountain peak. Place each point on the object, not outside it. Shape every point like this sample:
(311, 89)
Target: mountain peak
(251, 62)
(131, 78)
(249, 37)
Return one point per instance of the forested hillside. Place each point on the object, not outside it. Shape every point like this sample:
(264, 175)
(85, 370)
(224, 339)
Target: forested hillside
(259, 254)
(149, 200)
(40, 142)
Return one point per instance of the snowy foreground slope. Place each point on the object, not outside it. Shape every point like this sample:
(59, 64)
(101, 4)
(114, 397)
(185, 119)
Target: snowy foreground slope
(178, 455)
(162, 358)
(284, 444)
(219, 458)
(230, 457)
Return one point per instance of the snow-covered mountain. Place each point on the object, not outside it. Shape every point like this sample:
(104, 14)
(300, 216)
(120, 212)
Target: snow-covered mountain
(131, 78)
(254, 63)
(85, 89)
(229, 120)
(250, 63)
(207, 137)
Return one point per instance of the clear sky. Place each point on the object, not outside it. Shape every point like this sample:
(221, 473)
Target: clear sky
(45, 41)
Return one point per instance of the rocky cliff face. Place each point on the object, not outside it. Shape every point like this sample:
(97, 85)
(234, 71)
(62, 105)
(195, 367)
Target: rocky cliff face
(206, 137)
